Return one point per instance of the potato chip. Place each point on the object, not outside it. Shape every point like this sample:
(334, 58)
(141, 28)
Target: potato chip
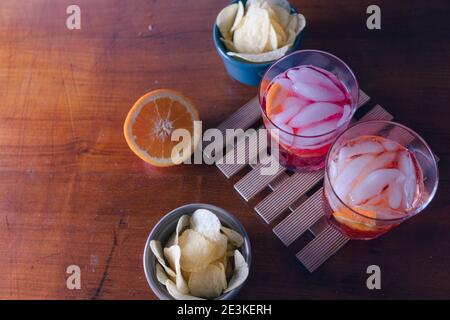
(301, 23)
(262, 57)
(272, 41)
(173, 256)
(292, 29)
(172, 288)
(296, 24)
(155, 246)
(171, 240)
(233, 237)
(209, 282)
(281, 35)
(223, 275)
(279, 19)
(253, 3)
(253, 33)
(249, 3)
(220, 246)
(239, 16)
(281, 3)
(240, 272)
(185, 274)
(197, 251)
(223, 260)
(229, 44)
(161, 275)
(229, 269)
(205, 222)
(281, 15)
(226, 18)
(183, 223)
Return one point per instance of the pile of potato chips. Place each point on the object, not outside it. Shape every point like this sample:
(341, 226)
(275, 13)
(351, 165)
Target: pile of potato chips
(201, 259)
(262, 31)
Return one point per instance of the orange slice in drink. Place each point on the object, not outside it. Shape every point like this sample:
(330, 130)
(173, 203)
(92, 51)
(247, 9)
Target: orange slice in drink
(275, 96)
(151, 122)
(356, 221)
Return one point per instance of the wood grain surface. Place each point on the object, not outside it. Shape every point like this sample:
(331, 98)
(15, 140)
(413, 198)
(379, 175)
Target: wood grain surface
(71, 192)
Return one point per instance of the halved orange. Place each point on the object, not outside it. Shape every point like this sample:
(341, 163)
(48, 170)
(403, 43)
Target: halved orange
(151, 122)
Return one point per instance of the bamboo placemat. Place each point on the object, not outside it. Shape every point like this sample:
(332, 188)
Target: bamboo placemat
(292, 195)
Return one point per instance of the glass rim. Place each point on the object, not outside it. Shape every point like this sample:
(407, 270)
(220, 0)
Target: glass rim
(417, 136)
(354, 105)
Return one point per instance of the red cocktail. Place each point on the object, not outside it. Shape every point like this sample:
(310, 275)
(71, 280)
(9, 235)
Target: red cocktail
(307, 99)
(378, 174)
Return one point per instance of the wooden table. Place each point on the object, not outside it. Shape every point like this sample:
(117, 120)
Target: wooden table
(71, 191)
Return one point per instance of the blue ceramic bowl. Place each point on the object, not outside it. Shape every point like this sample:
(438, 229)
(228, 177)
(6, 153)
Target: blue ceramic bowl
(247, 72)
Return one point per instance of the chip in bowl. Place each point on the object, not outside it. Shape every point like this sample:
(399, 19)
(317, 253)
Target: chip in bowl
(262, 31)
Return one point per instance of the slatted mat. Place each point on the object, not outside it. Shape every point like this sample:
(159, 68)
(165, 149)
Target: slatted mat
(323, 246)
(300, 220)
(284, 195)
(292, 198)
(254, 182)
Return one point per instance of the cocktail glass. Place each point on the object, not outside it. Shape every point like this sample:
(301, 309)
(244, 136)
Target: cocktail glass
(305, 152)
(368, 189)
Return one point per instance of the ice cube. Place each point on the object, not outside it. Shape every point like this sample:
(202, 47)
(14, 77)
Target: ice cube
(350, 174)
(377, 200)
(319, 128)
(284, 136)
(316, 93)
(360, 169)
(406, 165)
(314, 77)
(380, 162)
(315, 112)
(290, 107)
(333, 170)
(390, 145)
(395, 195)
(314, 85)
(359, 148)
(346, 115)
(284, 83)
(373, 184)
